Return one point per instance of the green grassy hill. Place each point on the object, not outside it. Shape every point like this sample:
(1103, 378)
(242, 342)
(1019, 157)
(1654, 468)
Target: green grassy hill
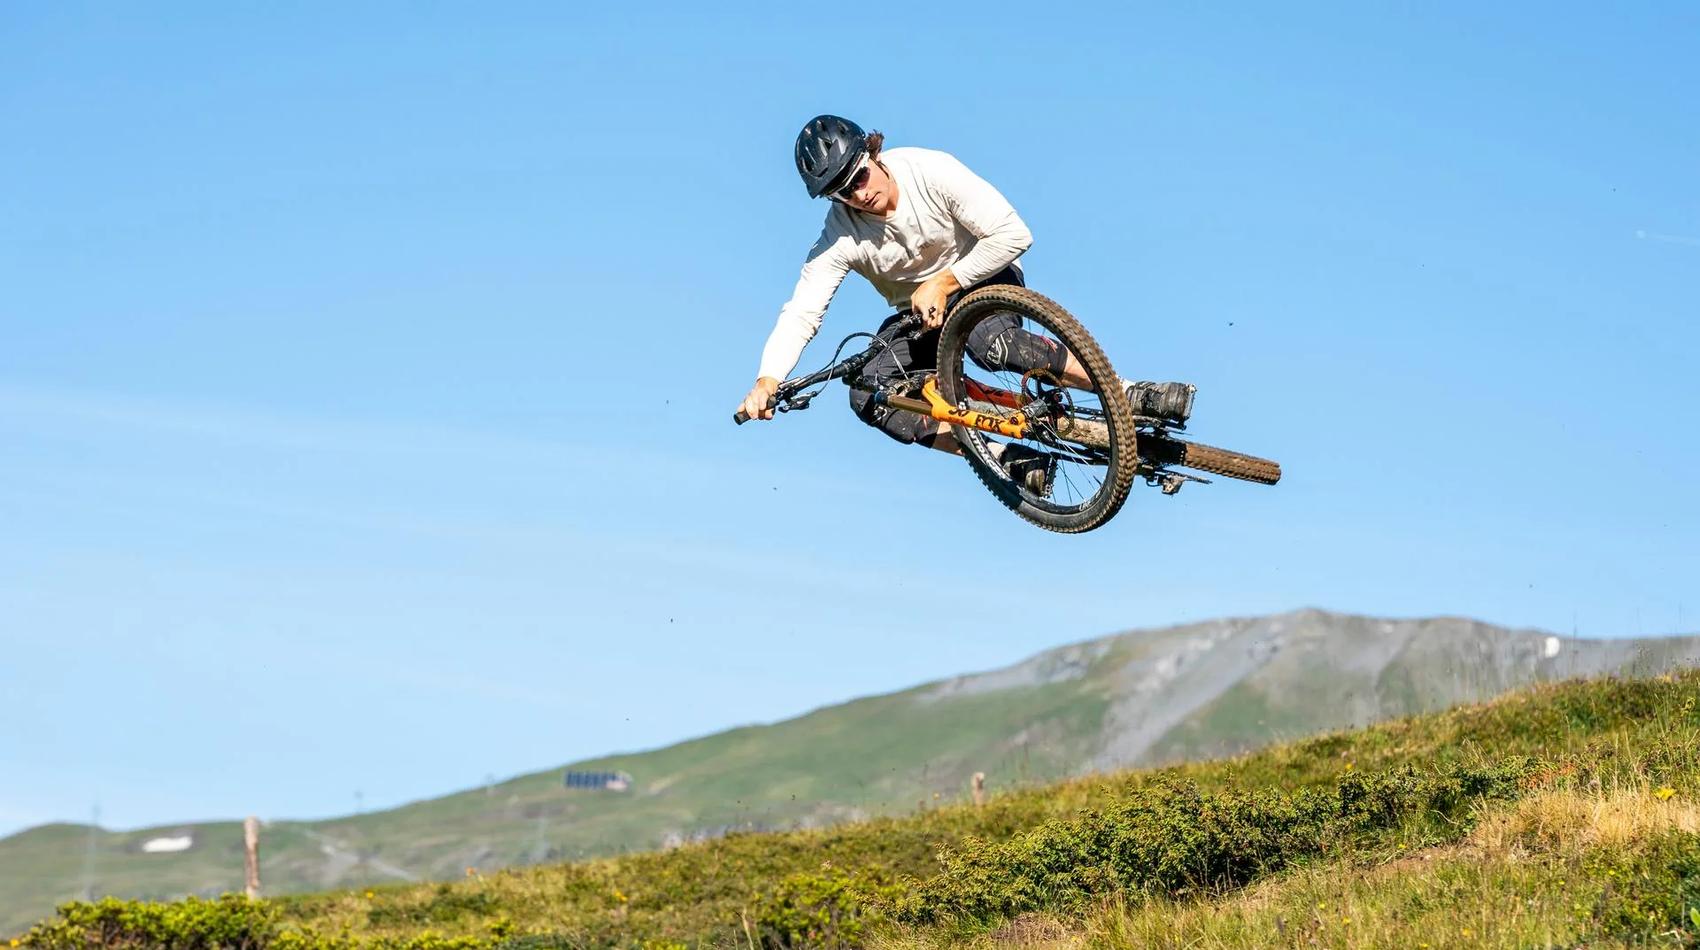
(1561, 815)
(1147, 697)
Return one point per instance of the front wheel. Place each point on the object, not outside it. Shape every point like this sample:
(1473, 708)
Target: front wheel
(1004, 347)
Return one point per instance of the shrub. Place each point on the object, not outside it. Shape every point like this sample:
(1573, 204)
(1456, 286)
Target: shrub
(232, 922)
(826, 908)
(445, 906)
(1173, 839)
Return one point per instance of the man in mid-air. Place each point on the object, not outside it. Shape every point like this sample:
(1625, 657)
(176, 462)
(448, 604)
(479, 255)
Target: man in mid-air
(922, 229)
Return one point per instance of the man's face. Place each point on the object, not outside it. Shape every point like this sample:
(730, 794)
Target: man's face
(876, 195)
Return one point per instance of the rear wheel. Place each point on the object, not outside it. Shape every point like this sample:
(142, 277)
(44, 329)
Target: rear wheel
(1087, 426)
(1162, 451)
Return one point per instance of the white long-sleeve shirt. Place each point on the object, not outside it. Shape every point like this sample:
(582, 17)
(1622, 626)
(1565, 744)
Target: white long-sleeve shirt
(947, 217)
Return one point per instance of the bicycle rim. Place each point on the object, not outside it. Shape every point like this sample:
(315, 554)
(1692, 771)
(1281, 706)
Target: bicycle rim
(1010, 326)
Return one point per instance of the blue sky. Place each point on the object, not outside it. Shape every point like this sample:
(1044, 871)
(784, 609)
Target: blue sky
(365, 372)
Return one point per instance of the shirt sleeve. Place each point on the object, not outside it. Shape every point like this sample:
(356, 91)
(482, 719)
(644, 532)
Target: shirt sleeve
(827, 264)
(1001, 236)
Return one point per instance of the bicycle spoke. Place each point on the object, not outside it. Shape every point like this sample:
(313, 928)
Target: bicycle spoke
(1002, 352)
(1078, 478)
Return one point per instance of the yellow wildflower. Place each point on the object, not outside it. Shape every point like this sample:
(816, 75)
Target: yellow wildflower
(368, 895)
(1665, 793)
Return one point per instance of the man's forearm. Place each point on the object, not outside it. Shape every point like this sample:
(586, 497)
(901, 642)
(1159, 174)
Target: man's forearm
(947, 282)
(784, 347)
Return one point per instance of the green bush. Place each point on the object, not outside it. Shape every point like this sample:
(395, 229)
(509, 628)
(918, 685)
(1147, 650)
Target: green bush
(826, 908)
(541, 942)
(446, 906)
(1176, 840)
(232, 922)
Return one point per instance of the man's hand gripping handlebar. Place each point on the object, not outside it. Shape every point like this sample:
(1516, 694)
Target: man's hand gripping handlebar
(760, 403)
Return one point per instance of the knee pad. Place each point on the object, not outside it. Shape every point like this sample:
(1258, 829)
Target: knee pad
(905, 427)
(1005, 346)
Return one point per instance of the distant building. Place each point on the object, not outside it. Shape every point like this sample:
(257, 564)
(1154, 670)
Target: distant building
(606, 781)
(167, 844)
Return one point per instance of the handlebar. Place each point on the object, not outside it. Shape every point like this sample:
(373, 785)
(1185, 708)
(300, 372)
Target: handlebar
(908, 326)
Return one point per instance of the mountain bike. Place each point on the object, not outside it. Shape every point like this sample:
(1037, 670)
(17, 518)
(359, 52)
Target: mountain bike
(1086, 421)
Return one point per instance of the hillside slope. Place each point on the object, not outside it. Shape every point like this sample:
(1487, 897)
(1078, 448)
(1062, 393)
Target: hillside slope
(1561, 815)
(1143, 697)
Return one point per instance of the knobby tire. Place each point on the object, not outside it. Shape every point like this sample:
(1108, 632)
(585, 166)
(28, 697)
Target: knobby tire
(1123, 462)
(1207, 458)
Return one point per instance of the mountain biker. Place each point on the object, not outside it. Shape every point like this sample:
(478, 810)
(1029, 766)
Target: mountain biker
(923, 229)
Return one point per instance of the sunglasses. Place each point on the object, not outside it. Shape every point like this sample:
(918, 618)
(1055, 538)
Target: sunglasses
(855, 183)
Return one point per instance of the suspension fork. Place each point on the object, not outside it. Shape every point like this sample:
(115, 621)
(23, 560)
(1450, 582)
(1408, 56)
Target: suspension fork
(934, 406)
(1088, 432)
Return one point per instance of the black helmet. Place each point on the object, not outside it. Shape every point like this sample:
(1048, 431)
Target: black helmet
(827, 149)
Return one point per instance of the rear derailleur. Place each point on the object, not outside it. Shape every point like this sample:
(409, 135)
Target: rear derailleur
(1169, 481)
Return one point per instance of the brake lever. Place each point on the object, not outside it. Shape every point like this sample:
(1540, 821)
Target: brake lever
(780, 404)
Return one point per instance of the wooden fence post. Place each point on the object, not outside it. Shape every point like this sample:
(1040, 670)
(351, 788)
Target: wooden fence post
(979, 789)
(251, 841)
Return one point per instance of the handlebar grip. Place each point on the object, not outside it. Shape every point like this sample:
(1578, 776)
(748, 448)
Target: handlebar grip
(742, 417)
